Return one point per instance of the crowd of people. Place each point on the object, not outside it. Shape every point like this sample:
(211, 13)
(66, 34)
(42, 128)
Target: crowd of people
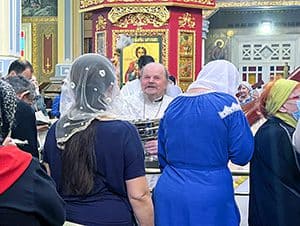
(93, 168)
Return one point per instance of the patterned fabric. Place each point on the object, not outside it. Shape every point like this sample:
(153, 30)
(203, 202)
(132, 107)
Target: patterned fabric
(7, 107)
(91, 88)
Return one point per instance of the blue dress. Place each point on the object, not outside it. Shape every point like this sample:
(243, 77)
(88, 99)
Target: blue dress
(198, 135)
(120, 157)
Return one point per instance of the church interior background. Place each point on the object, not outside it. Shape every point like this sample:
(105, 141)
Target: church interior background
(260, 37)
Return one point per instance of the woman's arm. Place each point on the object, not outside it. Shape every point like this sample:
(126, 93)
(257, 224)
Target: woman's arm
(140, 199)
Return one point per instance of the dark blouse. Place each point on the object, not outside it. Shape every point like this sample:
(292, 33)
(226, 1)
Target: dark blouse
(24, 128)
(274, 177)
(32, 200)
(120, 157)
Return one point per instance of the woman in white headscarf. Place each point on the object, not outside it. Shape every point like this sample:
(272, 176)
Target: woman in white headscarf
(212, 130)
(244, 93)
(96, 160)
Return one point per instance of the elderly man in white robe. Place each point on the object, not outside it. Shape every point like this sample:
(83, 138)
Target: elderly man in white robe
(151, 102)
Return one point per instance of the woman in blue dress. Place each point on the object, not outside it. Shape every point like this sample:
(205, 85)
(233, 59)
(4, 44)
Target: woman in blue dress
(200, 132)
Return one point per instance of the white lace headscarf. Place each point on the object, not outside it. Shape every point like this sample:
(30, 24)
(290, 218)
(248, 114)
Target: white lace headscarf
(218, 75)
(90, 91)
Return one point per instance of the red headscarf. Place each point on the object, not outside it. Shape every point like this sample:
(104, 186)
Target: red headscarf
(13, 163)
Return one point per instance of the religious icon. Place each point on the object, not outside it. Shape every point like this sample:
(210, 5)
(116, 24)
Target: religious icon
(186, 44)
(142, 45)
(186, 55)
(133, 70)
(218, 51)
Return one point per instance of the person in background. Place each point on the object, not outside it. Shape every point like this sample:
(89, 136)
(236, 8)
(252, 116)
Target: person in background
(24, 127)
(25, 68)
(16, 67)
(245, 93)
(134, 87)
(97, 160)
(39, 102)
(199, 133)
(173, 90)
(27, 194)
(55, 107)
(274, 169)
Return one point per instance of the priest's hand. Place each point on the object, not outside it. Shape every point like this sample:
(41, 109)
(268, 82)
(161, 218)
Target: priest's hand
(151, 147)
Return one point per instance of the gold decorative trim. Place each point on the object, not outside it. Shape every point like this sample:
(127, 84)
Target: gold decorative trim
(34, 47)
(101, 23)
(88, 3)
(139, 20)
(187, 20)
(165, 4)
(164, 33)
(39, 19)
(211, 2)
(160, 12)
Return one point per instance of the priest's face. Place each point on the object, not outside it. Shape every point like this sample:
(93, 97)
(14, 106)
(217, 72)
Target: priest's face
(154, 80)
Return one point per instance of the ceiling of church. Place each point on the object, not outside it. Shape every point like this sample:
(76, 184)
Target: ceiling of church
(242, 17)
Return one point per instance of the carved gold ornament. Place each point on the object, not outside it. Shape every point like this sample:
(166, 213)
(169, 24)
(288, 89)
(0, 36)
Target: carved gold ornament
(187, 20)
(139, 20)
(203, 2)
(101, 23)
(139, 16)
(88, 3)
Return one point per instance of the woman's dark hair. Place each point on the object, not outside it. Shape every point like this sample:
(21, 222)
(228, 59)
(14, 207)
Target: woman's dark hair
(143, 60)
(79, 162)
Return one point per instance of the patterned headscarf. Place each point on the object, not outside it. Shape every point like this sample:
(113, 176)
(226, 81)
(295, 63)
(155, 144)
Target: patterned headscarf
(7, 108)
(91, 89)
